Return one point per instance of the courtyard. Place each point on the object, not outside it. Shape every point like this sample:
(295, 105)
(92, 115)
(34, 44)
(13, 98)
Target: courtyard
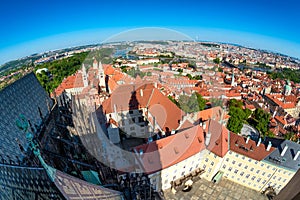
(224, 190)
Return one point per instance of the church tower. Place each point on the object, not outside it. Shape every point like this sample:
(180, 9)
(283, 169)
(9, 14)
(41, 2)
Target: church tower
(232, 79)
(95, 64)
(84, 76)
(101, 75)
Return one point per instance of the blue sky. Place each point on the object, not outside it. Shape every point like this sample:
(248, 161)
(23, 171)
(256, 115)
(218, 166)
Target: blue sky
(36, 26)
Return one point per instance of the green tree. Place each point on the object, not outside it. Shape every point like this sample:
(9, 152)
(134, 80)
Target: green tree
(235, 103)
(261, 121)
(201, 101)
(235, 124)
(189, 76)
(238, 115)
(217, 60)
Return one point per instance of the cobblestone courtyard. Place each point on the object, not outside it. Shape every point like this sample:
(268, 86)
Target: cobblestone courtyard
(225, 189)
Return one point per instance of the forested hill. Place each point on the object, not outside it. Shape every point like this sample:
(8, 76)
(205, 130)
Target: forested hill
(58, 70)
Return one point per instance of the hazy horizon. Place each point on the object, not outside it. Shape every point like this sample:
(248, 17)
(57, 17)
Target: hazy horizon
(35, 27)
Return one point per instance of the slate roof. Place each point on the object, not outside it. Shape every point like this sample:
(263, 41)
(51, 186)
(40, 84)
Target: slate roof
(287, 160)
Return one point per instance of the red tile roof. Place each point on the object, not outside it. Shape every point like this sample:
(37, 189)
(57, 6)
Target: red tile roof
(168, 151)
(284, 105)
(219, 138)
(251, 150)
(128, 97)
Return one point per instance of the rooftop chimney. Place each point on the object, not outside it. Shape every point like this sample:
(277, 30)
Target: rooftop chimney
(284, 150)
(259, 141)
(141, 92)
(269, 146)
(207, 138)
(248, 138)
(297, 155)
(204, 125)
(141, 152)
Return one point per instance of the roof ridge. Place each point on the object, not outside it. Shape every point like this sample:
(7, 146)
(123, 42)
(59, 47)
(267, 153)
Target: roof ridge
(150, 98)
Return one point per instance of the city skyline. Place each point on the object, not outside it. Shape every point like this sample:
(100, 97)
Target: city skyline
(32, 27)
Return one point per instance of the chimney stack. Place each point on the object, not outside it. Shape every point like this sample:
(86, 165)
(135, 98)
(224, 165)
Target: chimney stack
(248, 138)
(141, 152)
(141, 92)
(207, 138)
(284, 150)
(259, 141)
(269, 146)
(204, 125)
(297, 155)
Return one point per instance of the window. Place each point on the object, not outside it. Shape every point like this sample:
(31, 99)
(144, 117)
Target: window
(258, 180)
(191, 169)
(274, 177)
(262, 164)
(264, 182)
(247, 176)
(230, 152)
(230, 168)
(240, 164)
(246, 167)
(249, 160)
(269, 183)
(212, 163)
(255, 162)
(269, 175)
(166, 181)
(243, 157)
(242, 173)
(279, 178)
(224, 166)
(227, 159)
(132, 128)
(130, 112)
(263, 173)
(204, 166)
(236, 155)
(206, 159)
(268, 167)
(236, 171)
(209, 170)
(141, 119)
(233, 162)
(252, 169)
(257, 171)
(253, 178)
(215, 156)
(284, 180)
(182, 173)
